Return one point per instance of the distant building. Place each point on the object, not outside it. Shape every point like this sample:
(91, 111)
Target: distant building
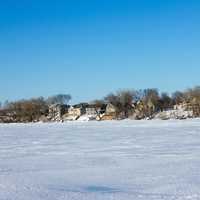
(7, 116)
(111, 109)
(110, 112)
(93, 109)
(56, 111)
(75, 111)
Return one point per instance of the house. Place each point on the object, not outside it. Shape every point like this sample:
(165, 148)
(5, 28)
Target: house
(74, 112)
(110, 112)
(56, 111)
(81, 107)
(93, 112)
(111, 109)
(193, 107)
(93, 109)
(137, 111)
(182, 106)
(7, 116)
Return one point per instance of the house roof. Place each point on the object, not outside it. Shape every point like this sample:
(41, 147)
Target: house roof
(80, 105)
(86, 105)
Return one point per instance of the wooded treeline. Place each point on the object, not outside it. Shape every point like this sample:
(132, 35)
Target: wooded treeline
(145, 102)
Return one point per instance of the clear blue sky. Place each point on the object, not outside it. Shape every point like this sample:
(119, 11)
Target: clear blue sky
(89, 48)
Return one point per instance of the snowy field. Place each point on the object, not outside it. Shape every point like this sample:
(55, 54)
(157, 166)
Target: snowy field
(124, 160)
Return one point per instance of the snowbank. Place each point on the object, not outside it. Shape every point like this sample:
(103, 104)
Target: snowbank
(174, 114)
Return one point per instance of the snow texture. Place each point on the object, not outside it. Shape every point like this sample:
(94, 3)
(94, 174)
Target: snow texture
(115, 160)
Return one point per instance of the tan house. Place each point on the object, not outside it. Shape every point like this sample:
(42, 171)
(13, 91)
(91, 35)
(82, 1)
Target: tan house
(110, 114)
(111, 109)
(74, 112)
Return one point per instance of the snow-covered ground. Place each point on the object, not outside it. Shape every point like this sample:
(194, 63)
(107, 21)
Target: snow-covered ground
(124, 160)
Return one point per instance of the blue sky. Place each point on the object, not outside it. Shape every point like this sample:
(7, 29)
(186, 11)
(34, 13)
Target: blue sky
(89, 48)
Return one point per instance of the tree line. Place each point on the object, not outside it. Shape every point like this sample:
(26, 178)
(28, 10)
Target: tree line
(148, 102)
(144, 102)
(29, 110)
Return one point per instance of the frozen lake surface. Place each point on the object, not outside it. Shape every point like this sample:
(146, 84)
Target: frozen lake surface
(124, 160)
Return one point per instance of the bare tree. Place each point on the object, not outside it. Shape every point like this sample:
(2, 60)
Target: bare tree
(114, 100)
(126, 98)
(165, 101)
(122, 100)
(6, 104)
(193, 98)
(59, 99)
(98, 103)
(28, 110)
(149, 100)
(178, 97)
